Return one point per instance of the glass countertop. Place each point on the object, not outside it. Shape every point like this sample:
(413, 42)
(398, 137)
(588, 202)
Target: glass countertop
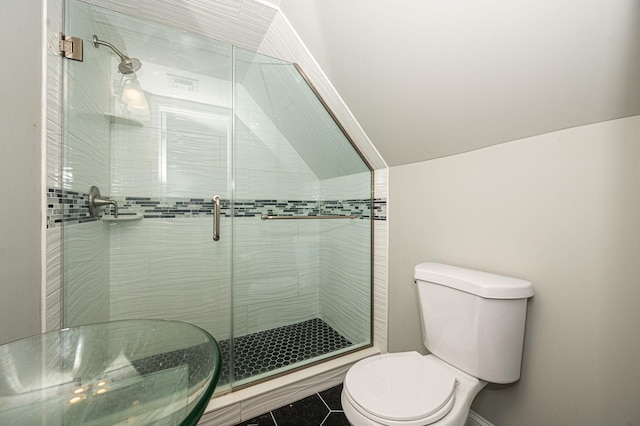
(131, 372)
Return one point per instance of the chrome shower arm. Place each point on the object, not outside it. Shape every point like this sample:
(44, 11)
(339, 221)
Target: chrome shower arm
(127, 65)
(97, 42)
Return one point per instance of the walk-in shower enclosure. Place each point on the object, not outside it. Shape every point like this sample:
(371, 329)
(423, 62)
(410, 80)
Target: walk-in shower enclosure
(288, 282)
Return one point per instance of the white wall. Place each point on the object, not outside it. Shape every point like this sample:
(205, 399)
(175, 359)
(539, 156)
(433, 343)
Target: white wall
(561, 210)
(20, 156)
(412, 70)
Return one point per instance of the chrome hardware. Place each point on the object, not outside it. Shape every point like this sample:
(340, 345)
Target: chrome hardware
(127, 65)
(329, 111)
(96, 201)
(70, 47)
(216, 218)
(267, 217)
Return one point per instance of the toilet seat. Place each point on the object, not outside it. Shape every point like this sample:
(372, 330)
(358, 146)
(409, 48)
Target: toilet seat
(401, 388)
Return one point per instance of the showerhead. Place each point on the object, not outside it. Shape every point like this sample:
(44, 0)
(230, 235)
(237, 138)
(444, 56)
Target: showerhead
(127, 65)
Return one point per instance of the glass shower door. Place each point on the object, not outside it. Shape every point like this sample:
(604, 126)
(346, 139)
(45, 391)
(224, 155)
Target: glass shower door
(156, 142)
(302, 227)
(288, 283)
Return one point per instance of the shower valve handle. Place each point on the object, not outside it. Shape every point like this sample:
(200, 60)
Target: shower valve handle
(96, 201)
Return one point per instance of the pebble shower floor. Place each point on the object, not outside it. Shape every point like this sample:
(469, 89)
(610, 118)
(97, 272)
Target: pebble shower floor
(269, 350)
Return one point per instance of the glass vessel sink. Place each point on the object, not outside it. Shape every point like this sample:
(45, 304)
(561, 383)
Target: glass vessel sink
(131, 372)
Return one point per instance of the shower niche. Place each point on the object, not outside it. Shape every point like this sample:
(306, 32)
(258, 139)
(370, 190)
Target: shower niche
(289, 282)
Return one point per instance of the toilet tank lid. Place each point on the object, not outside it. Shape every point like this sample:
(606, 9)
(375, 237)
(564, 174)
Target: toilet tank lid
(483, 284)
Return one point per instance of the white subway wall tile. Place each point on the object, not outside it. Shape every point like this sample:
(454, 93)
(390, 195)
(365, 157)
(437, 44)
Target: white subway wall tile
(227, 20)
(86, 292)
(345, 278)
(357, 186)
(54, 318)
(269, 314)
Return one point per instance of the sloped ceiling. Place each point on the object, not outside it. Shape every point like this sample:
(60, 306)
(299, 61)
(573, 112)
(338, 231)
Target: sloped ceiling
(432, 78)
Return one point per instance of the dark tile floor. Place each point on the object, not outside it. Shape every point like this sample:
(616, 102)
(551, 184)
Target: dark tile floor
(321, 409)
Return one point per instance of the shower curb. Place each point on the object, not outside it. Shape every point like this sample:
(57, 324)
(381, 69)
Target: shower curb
(247, 403)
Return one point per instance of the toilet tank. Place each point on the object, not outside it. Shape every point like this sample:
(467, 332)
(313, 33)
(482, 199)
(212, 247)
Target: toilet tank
(473, 320)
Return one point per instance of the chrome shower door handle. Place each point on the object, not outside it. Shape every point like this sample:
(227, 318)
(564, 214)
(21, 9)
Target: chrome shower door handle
(216, 217)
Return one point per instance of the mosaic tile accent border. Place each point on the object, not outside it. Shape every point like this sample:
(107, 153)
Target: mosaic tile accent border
(379, 209)
(67, 207)
(71, 207)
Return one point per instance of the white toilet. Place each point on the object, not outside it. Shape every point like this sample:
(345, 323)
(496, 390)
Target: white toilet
(473, 325)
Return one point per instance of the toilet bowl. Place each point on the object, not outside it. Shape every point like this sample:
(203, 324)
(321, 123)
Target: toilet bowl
(472, 323)
(407, 389)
